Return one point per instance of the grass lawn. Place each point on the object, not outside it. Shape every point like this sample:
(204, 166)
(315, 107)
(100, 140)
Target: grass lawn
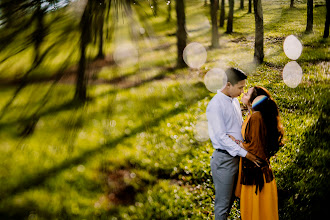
(132, 152)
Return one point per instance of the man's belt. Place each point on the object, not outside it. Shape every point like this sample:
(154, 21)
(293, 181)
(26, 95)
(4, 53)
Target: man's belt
(222, 151)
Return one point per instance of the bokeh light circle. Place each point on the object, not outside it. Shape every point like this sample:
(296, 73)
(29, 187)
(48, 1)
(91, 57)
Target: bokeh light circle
(125, 55)
(215, 79)
(197, 24)
(142, 30)
(201, 132)
(194, 55)
(292, 74)
(292, 47)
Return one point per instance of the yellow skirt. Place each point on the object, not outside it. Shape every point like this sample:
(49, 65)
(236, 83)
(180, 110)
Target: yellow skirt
(261, 206)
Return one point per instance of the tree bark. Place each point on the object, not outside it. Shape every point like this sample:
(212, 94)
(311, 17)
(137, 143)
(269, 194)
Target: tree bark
(222, 14)
(215, 33)
(327, 21)
(169, 9)
(39, 33)
(101, 7)
(181, 32)
(291, 3)
(155, 7)
(230, 17)
(250, 6)
(242, 4)
(309, 26)
(259, 32)
(85, 37)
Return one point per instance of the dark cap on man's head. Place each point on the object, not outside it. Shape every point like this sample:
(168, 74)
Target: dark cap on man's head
(234, 75)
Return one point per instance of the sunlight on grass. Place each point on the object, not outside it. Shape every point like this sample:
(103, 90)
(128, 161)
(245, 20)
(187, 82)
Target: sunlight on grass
(131, 151)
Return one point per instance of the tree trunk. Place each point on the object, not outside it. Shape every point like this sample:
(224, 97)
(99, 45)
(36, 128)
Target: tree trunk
(39, 33)
(85, 29)
(259, 32)
(250, 6)
(242, 4)
(230, 17)
(309, 26)
(222, 14)
(181, 32)
(205, 2)
(215, 33)
(109, 29)
(169, 9)
(291, 3)
(327, 21)
(155, 7)
(101, 7)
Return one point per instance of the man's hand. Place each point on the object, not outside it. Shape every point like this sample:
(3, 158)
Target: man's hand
(253, 158)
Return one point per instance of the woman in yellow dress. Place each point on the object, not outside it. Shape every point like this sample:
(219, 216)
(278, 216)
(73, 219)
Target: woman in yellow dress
(262, 133)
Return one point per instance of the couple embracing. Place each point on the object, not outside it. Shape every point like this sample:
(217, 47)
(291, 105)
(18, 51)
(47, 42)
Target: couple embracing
(240, 163)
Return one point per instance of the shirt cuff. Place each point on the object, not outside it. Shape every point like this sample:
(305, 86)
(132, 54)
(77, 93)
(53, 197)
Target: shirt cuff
(242, 152)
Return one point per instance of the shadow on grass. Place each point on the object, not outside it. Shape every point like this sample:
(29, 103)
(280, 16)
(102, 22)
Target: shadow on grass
(40, 178)
(305, 190)
(30, 208)
(63, 107)
(122, 82)
(278, 22)
(71, 104)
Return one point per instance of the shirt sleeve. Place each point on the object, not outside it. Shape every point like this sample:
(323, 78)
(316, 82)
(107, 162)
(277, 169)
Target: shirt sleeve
(238, 108)
(218, 134)
(255, 135)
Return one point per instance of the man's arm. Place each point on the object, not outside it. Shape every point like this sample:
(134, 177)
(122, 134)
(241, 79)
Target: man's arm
(248, 156)
(218, 132)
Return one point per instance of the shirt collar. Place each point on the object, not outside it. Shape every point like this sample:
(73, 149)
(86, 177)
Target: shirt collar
(225, 96)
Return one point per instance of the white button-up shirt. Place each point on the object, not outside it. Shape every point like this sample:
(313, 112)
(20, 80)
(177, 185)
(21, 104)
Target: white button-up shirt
(225, 117)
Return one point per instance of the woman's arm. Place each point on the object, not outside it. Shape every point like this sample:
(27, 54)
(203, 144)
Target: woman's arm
(240, 143)
(249, 156)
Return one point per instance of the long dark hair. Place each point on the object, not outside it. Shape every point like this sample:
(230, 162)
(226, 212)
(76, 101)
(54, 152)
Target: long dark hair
(257, 91)
(270, 115)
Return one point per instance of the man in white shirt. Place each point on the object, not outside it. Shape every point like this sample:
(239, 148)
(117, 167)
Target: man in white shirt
(225, 117)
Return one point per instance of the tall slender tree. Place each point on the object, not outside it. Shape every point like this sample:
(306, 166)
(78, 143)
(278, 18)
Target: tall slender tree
(215, 32)
(40, 31)
(259, 32)
(108, 24)
(327, 20)
(155, 7)
(309, 26)
(230, 17)
(222, 14)
(241, 4)
(291, 3)
(85, 38)
(91, 26)
(181, 33)
(100, 23)
(169, 10)
(250, 6)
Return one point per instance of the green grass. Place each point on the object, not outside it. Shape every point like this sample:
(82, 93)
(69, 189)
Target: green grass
(130, 152)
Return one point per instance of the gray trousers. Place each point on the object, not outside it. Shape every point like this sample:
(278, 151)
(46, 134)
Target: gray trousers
(224, 170)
